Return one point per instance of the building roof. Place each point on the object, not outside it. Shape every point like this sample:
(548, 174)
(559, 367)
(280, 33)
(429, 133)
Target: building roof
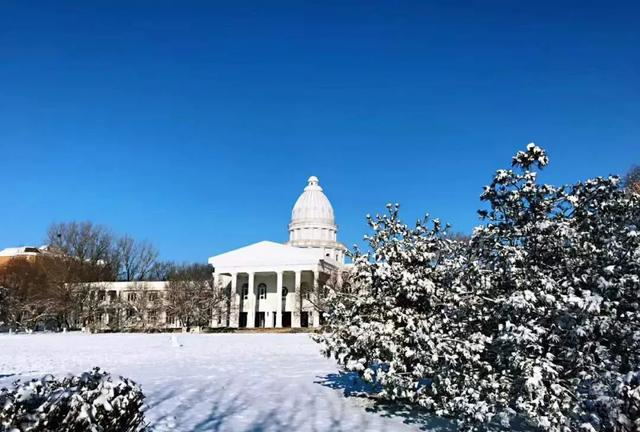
(131, 285)
(22, 250)
(313, 205)
(267, 254)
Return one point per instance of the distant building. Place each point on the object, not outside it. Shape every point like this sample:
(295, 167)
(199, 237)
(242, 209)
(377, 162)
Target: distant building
(114, 297)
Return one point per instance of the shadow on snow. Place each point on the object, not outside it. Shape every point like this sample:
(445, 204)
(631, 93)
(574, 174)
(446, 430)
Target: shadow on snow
(352, 385)
(227, 407)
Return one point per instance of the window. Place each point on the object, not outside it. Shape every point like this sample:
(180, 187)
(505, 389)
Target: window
(132, 296)
(285, 291)
(153, 296)
(245, 291)
(304, 288)
(262, 289)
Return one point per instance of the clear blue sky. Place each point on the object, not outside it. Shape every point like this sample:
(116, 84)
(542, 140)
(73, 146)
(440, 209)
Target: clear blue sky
(196, 124)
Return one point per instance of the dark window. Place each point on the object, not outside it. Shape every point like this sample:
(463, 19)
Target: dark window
(262, 289)
(304, 319)
(243, 320)
(245, 291)
(285, 291)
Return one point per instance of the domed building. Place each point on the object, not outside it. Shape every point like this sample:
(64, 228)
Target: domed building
(280, 285)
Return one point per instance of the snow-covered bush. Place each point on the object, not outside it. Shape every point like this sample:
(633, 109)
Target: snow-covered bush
(538, 316)
(92, 401)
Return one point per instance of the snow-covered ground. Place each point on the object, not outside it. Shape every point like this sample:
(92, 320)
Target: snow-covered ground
(215, 382)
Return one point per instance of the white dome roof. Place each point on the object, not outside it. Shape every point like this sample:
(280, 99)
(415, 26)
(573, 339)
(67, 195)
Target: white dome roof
(313, 224)
(313, 205)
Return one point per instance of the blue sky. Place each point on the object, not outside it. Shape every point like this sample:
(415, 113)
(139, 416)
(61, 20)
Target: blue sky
(196, 124)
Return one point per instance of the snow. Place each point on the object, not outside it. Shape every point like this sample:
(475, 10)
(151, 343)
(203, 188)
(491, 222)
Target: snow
(215, 382)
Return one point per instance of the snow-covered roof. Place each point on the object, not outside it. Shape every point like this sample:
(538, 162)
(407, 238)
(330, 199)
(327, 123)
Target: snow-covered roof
(266, 254)
(22, 250)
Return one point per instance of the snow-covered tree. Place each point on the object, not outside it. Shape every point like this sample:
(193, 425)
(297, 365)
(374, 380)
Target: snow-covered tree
(402, 325)
(538, 316)
(93, 401)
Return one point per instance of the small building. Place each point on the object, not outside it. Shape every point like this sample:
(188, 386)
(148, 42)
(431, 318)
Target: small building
(116, 301)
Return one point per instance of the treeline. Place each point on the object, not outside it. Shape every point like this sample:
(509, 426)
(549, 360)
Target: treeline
(60, 287)
(101, 255)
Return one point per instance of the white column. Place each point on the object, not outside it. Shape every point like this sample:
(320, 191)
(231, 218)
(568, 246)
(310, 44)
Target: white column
(217, 318)
(268, 313)
(279, 277)
(297, 281)
(251, 315)
(234, 307)
(316, 294)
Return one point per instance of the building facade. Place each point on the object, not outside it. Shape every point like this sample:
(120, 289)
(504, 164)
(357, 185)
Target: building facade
(282, 285)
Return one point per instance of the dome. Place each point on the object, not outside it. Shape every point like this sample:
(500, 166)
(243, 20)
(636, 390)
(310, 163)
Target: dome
(313, 205)
(313, 223)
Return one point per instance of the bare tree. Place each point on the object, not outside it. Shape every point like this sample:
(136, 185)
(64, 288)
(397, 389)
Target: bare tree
(192, 295)
(27, 301)
(136, 259)
(632, 180)
(4, 305)
(162, 270)
(335, 282)
(91, 301)
(91, 246)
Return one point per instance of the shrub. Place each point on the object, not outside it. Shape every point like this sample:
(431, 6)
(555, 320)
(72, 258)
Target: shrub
(92, 401)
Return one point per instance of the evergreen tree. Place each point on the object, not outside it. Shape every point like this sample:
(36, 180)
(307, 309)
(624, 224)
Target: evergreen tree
(537, 317)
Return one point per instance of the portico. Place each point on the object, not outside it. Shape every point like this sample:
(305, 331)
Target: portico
(281, 293)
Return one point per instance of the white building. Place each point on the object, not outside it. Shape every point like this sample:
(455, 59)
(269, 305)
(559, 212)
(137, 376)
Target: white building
(279, 285)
